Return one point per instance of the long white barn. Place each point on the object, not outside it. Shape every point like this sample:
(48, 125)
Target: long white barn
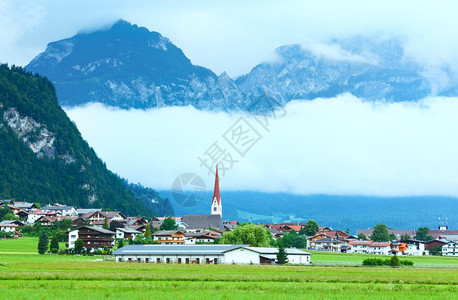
(206, 254)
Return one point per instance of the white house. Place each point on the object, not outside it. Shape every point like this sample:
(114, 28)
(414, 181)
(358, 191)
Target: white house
(201, 236)
(415, 248)
(206, 254)
(357, 246)
(9, 225)
(381, 248)
(328, 244)
(72, 237)
(62, 210)
(126, 233)
(269, 255)
(450, 249)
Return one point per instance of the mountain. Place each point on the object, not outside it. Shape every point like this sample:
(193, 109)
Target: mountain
(336, 211)
(151, 199)
(43, 157)
(130, 67)
(374, 70)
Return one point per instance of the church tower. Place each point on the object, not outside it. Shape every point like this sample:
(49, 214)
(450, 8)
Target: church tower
(217, 207)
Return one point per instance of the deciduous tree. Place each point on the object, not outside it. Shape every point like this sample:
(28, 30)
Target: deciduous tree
(250, 234)
(423, 234)
(79, 245)
(380, 233)
(362, 236)
(168, 224)
(310, 228)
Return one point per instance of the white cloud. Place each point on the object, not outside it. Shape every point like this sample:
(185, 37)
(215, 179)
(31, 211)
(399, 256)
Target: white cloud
(331, 146)
(17, 21)
(335, 52)
(237, 35)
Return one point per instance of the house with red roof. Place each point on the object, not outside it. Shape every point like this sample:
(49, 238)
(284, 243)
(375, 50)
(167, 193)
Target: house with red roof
(381, 248)
(357, 246)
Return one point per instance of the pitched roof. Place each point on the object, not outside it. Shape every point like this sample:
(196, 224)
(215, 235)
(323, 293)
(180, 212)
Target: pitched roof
(328, 240)
(7, 222)
(380, 244)
(99, 229)
(269, 250)
(175, 249)
(396, 232)
(163, 218)
(167, 232)
(216, 190)
(112, 214)
(367, 243)
(57, 207)
(127, 230)
(293, 227)
(202, 221)
(83, 211)
(447, 234)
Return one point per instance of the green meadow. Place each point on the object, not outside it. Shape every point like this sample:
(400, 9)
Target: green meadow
(27, 275)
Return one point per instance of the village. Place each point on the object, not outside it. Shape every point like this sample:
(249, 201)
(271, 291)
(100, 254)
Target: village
(196, 238)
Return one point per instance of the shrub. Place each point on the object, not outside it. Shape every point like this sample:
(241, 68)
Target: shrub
(406, 263)
(54, 250)
(394, 261)
(375, 262)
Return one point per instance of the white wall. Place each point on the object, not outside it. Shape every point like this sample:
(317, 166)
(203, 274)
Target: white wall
(72, 237)
(173, 259)
(8, 228)
(298, 259)
(412, 249)
(450, 249)
(241, 256)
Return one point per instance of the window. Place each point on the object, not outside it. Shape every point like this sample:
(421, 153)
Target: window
(214, 208)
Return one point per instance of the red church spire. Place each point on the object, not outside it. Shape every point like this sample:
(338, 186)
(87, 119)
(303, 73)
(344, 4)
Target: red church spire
(216, 190)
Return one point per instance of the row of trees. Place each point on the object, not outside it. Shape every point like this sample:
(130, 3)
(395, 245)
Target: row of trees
(259, 236)
(380, 234)
(43, 242)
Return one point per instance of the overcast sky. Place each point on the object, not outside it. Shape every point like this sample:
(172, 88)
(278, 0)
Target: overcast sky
(332, 146)
(234, 36)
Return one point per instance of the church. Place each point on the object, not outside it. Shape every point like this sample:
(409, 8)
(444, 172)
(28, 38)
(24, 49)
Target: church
(216, 207)
(212, 220)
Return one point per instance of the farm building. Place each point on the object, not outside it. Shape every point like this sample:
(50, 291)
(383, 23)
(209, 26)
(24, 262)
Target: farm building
(206, 254)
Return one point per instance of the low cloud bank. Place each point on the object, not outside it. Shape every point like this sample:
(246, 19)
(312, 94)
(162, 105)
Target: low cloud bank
(342, 145)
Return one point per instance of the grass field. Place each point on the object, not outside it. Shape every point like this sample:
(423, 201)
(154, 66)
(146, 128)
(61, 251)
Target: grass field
(329, 258)
(26, 275)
